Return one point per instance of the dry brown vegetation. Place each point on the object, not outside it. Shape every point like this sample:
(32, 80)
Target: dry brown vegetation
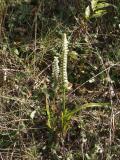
(40, 119)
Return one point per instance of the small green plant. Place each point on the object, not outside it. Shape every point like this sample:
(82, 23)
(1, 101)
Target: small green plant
(61, 121)
(97, 8)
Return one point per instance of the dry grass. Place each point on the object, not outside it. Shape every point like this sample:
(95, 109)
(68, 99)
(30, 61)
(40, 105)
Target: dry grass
(26, 55)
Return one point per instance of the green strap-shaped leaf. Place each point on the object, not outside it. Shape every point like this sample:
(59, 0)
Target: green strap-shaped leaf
(102, 5)
(83, 107)
(67, 114)
(99, 13)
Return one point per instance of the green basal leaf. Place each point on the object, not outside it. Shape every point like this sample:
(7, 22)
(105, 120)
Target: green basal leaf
(83, 107)
(68, 115)
(102, 5)
(99, 13)
(94, 4)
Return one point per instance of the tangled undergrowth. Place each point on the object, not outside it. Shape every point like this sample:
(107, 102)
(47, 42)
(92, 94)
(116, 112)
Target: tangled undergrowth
(59, 97)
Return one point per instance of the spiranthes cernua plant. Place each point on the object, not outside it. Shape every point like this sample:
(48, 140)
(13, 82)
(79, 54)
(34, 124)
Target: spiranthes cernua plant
(64, 62)
(55, 68)
(60, 76)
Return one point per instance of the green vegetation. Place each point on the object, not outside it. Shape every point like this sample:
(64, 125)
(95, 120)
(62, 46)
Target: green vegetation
(59, 80)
